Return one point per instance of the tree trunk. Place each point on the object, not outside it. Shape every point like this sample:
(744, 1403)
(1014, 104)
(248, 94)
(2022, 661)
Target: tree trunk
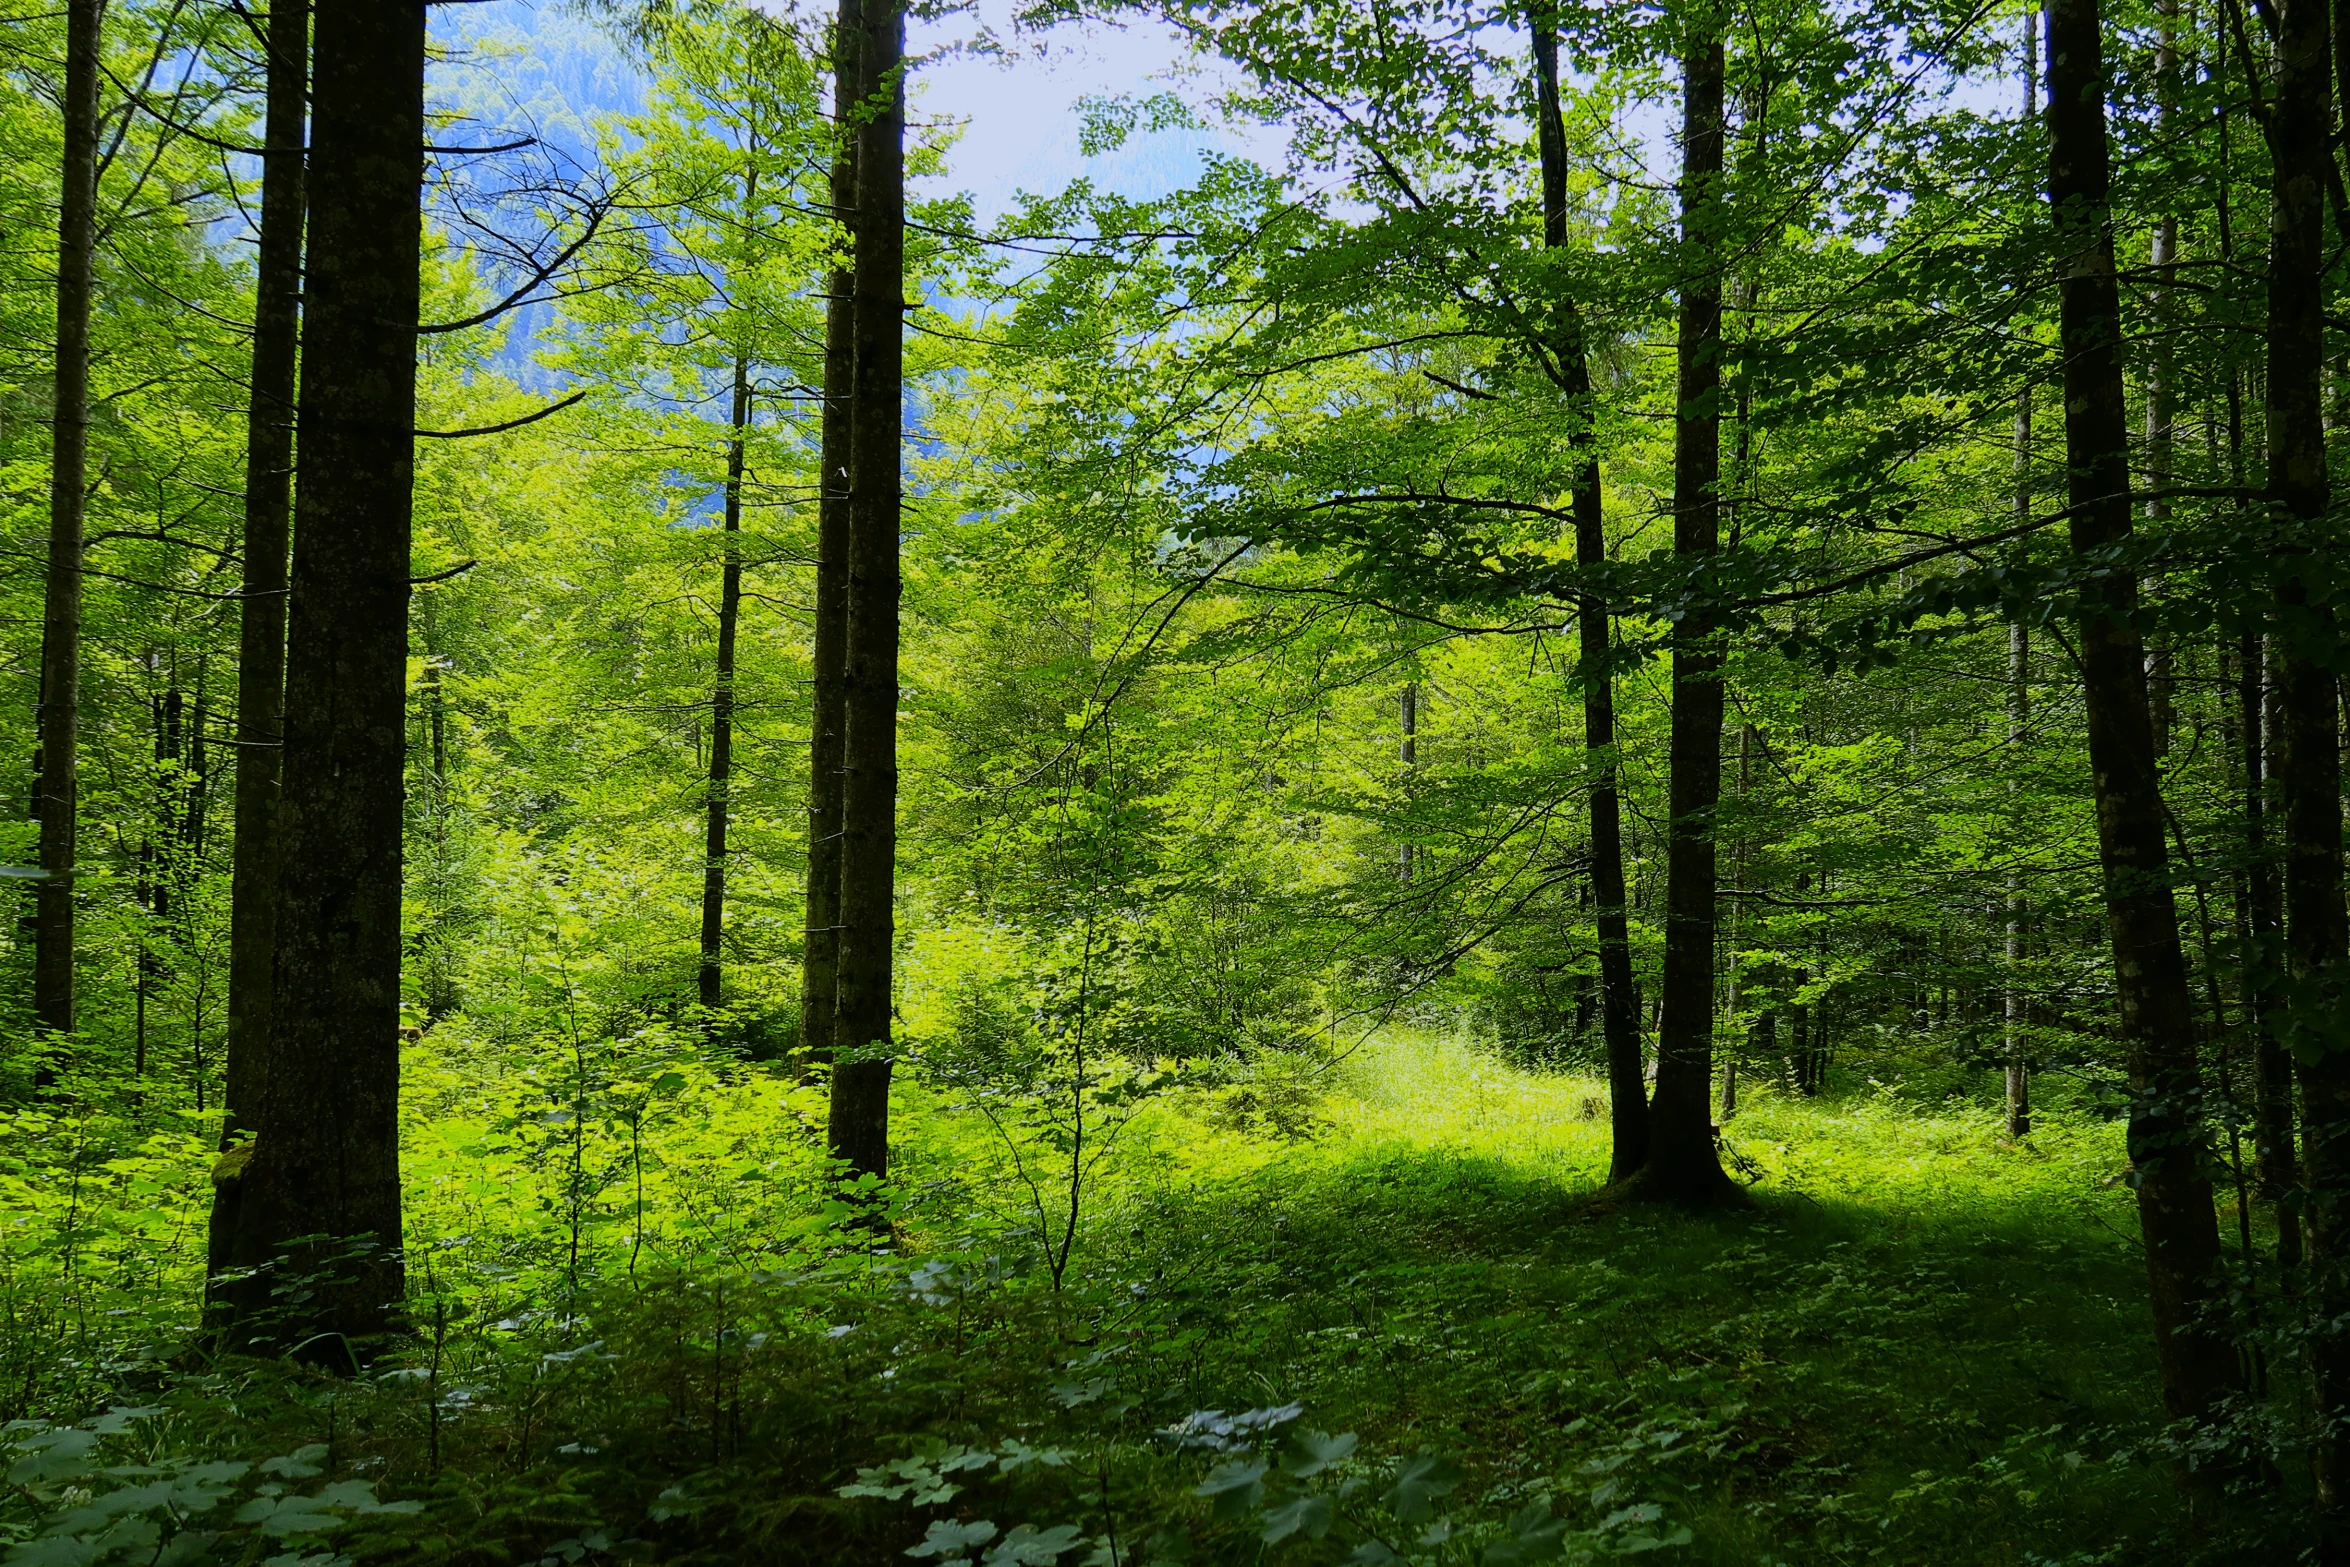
(2166, 1144)
(2315, 936)
(1408, 712)
(1682, 1164)
(859, 1131)
(325, 1158)
(261, 632)
(2276, 1162)
(61, 621)
(730, 602)
(1619, 1004)
(2019, 695)
(820, 955)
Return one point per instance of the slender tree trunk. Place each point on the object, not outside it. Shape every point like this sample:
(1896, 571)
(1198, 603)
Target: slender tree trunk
(1619, 1002)
(1682, 1163)
(859, 1131)
(2162, 257)
(61, 621)
(709, 989)
(1735, 970)
(261, 633)
(820, 959)
(2019, 692)
(2276, 1161)
(2019, 720)
(2166, 1141)
(1408, 711)
(325, 1158)
(2315, 934)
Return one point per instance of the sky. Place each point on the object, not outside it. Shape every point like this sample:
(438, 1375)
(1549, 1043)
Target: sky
(536, 61)
(1019, 111)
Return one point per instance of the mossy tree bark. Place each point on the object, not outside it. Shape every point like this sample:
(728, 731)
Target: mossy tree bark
(2166, 1139)
(325, 1159)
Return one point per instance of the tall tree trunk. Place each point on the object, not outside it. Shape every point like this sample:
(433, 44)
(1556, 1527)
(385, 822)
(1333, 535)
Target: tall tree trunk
(2162, 258)
(2019, 692)
(2019, 720)
(1408, 711)
(325, 1159)
(2166, 1142)
(1682, 1164)
(61, 620)
(261, 633)
(2315, 935)
(820, 959)
(1619, 1003)
(859, 1131)
(708, 987)
(2275, 1160)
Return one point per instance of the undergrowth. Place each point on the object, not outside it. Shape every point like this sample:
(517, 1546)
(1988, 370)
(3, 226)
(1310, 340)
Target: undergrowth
(646, 1327)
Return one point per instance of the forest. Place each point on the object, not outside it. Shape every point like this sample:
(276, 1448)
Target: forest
(1502, 781)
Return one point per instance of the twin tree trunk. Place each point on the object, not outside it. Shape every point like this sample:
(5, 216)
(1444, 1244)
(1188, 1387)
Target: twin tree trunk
(325, 1159)
(1681, 1164)
(2166, 1130)
(2314, 921)
(261, 647)
(819, 987)
(859, 1131)
(1618, 1005)
(56, 767)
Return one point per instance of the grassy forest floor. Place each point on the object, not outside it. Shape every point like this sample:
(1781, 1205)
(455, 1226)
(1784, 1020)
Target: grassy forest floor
(1409, 1333)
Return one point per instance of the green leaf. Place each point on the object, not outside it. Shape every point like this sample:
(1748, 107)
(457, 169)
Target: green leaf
(1311, 1452)
(1028, 1546)
(1308, 1513)
(1237, 1486)
(1419, 1481)
(947, 1537)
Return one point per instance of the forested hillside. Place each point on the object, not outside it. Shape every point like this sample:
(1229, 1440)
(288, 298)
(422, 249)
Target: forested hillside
(1545, 781)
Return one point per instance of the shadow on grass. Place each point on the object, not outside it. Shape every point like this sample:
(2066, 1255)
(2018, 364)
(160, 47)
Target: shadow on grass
(1809, 1378)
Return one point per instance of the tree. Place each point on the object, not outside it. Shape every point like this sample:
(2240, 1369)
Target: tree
(261, 646)
(57, 767)
(1681, 1164)
(820, 962)
(858, 1133)
(1618, 1004)
(2175, 1210)
(2317, 940)
(322, 1188)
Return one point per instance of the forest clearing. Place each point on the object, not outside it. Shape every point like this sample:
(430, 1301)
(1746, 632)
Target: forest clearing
(1119, 784)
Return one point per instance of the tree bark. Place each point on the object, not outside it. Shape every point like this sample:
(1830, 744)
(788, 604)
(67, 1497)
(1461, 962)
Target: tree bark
(1408, 712)
(2166, 1141)
(2019, 693)
(708, 981)
(2275, 1161)
(859, 1129)
(61, 622)
(1619, 1006)
(1682, 1164)
(820, 954)
(325, 1159)
(261, 632)
(2315, 933)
